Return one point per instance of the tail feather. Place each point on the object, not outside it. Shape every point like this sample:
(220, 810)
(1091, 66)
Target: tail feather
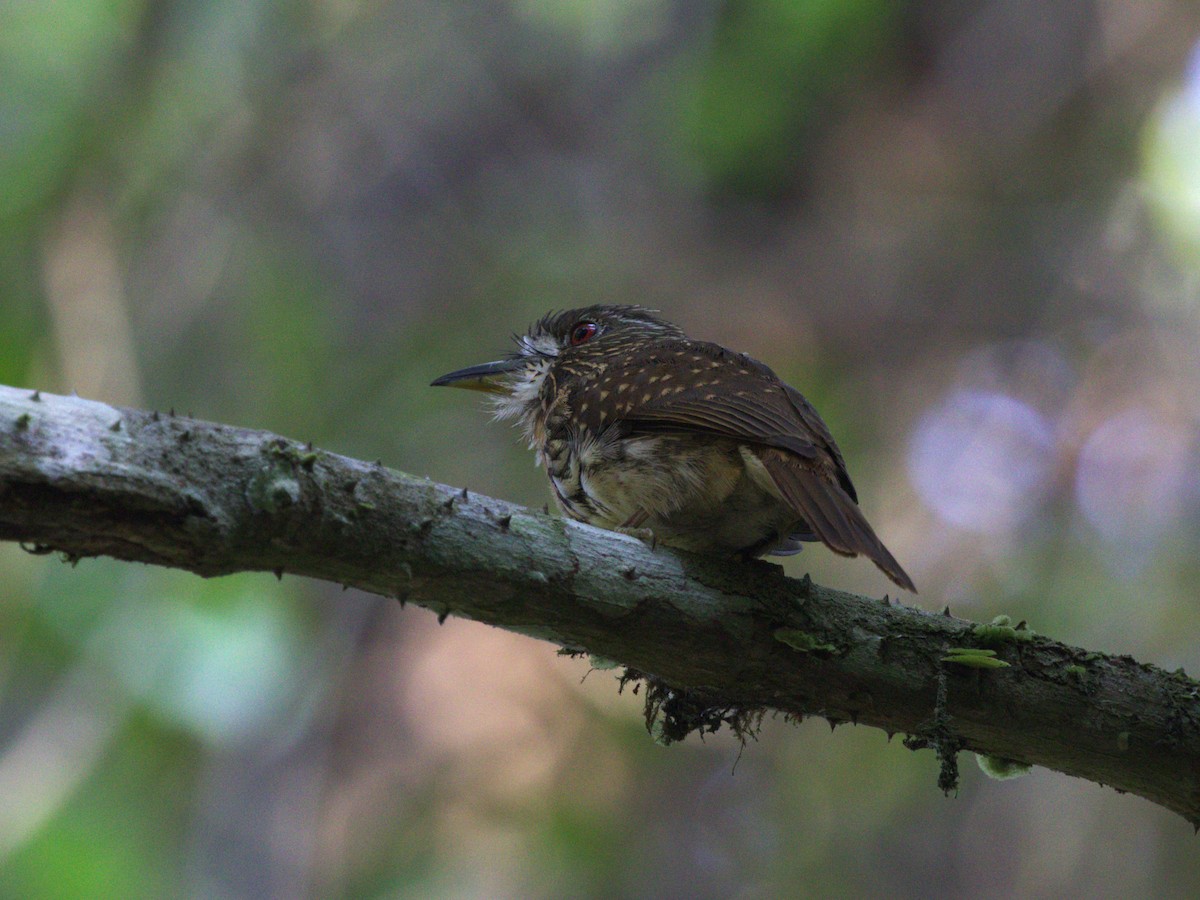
(831, 514)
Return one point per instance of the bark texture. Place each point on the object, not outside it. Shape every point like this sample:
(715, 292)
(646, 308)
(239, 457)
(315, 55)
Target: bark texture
(718, 641)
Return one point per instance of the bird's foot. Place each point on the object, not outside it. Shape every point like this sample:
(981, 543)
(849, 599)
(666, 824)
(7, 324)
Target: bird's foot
(645, 535)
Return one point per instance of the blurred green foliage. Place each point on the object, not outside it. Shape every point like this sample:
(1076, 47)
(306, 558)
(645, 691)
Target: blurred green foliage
(751, 101)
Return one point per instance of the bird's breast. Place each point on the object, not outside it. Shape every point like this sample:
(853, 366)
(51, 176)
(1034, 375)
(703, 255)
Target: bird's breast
(609, 478)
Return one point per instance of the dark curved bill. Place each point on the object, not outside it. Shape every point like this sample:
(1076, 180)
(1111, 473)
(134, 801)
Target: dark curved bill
(488, 377)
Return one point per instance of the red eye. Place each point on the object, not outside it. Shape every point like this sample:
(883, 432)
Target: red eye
(582, 333)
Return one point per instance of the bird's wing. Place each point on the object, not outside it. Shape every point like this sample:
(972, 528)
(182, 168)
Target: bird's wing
(698, 388)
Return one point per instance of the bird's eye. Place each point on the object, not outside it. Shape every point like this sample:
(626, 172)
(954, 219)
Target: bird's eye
(582, 333)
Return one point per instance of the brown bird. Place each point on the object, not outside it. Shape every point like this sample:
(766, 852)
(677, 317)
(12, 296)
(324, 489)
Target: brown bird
(640, 427)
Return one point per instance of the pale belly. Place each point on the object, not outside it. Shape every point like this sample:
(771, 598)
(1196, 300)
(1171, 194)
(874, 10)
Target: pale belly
(698, 494)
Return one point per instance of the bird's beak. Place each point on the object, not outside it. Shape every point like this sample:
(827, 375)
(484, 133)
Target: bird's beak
(488, 377)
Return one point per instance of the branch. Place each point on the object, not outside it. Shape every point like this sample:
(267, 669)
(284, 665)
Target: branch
(723, 641)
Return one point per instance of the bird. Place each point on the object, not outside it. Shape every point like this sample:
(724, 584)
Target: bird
(643, 430)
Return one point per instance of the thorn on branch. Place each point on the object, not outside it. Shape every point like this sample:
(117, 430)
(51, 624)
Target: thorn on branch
(23, 421)
(404, 589)
(504, 521)
(115, 426)
(36, 396)
(279, 573)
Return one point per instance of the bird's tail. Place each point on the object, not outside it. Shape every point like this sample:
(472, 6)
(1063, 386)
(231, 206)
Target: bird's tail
(831, 514)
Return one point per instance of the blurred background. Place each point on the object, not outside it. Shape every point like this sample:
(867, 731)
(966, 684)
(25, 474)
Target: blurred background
(967, 230)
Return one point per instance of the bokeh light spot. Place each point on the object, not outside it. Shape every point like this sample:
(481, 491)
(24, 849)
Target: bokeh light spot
(981, 460)
(1134, 474)
(1171, 168)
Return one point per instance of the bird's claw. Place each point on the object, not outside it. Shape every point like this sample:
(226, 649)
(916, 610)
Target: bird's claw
(645, 535)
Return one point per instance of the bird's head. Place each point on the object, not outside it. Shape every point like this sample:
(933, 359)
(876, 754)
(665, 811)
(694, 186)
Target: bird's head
(574, 341)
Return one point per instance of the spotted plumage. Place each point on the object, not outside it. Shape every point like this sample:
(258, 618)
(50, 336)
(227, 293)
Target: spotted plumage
(638, 426)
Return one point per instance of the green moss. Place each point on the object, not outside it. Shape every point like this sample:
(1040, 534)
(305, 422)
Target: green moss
(285, 450)
(1001, 631)
(1180, 675)
(803, 642)
(974, 658)
(1000, 768)
(273, 489)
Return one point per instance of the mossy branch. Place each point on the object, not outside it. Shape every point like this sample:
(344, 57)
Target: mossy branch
(718, 641)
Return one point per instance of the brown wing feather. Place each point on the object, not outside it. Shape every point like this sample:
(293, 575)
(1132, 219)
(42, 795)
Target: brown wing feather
(696, 387)
(833, 516)
(711, 390)
(730, 416)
